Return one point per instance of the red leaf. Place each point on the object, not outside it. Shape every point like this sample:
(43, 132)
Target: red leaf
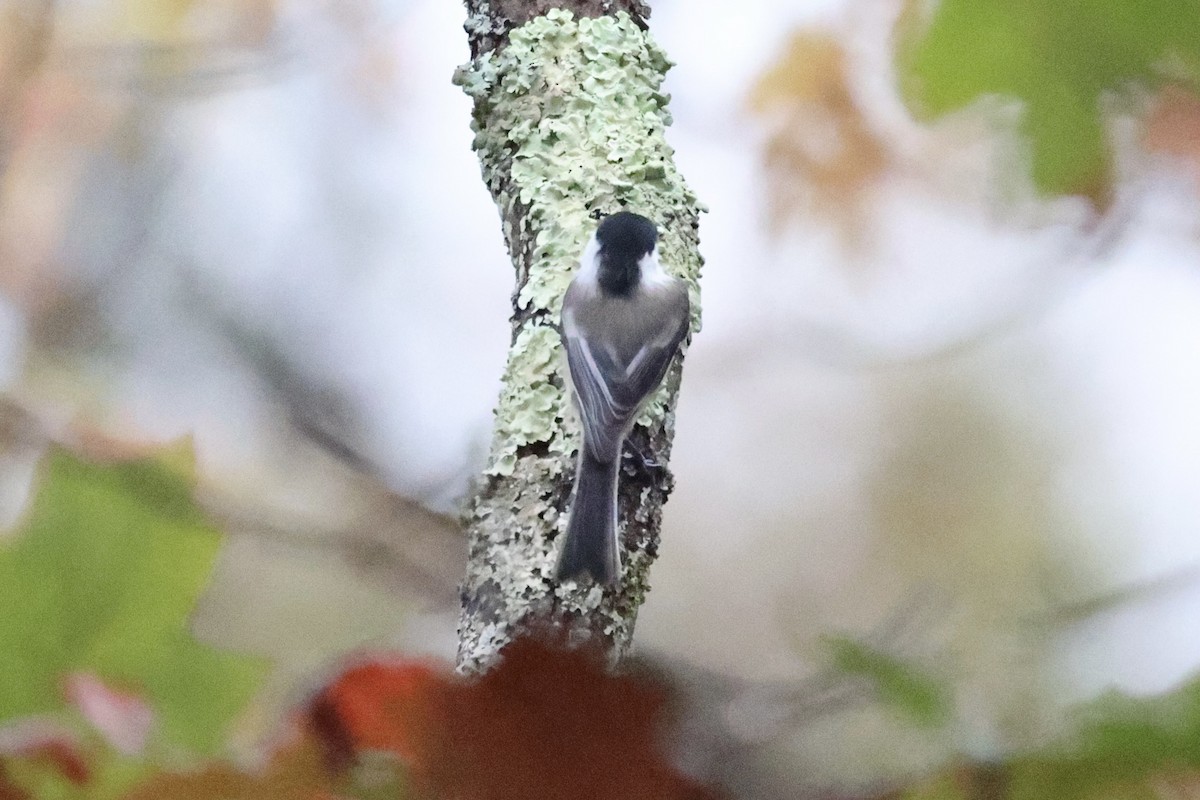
(38, 741)
(545, 723)
(380, 706)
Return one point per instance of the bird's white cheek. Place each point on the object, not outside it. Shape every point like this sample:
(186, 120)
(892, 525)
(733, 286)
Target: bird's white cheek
(589, 264)
(652, 272)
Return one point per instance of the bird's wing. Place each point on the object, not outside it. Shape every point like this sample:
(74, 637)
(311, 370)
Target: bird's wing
(611, 389)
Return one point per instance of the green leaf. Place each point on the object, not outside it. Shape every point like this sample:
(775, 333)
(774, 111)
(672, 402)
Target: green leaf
(946, 786)
(1060, 58)
(102, 576)
(903, 686)
(1122, 742)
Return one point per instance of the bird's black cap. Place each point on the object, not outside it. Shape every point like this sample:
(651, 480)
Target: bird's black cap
(626, 236)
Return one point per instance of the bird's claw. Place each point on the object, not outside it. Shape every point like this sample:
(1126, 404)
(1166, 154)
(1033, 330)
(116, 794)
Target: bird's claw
(640, 463)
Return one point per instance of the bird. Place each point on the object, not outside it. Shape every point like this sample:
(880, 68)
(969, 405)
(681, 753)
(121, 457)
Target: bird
(623, 319)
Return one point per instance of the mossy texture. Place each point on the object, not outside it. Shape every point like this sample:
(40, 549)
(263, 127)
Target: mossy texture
(569, 125)
(570, 122)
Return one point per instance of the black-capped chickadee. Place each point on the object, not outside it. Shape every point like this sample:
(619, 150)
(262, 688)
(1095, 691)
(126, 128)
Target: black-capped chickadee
(623, 318)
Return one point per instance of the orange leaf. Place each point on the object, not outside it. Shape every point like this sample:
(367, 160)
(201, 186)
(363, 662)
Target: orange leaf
(822, 157)
(381, 706)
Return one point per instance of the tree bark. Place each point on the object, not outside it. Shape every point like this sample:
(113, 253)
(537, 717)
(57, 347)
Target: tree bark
(569, 120)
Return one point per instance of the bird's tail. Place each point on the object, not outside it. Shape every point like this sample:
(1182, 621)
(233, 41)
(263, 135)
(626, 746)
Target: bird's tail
(591, 541)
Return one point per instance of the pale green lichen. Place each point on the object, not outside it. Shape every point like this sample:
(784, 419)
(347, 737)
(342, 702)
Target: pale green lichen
(570, 124)
(531, 403)
(571, 599)
(575, 115)
(575, 111)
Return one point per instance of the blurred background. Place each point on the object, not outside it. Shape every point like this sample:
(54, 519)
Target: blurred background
(938, 470)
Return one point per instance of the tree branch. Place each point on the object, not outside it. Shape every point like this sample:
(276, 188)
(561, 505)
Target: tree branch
(569, 121)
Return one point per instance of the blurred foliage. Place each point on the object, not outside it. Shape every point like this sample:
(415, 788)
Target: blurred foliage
(1125, 746)
(1122, 747)
(105, 694)
(43, 768)
(553, 722)
(101, 577)
(99, 580)
(822, 157)
(297, 771)
(906, 688)
(153, 19)
(1060, 59)
(1173, 128)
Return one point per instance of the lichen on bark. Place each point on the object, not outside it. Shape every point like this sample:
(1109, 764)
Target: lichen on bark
(569, 120)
